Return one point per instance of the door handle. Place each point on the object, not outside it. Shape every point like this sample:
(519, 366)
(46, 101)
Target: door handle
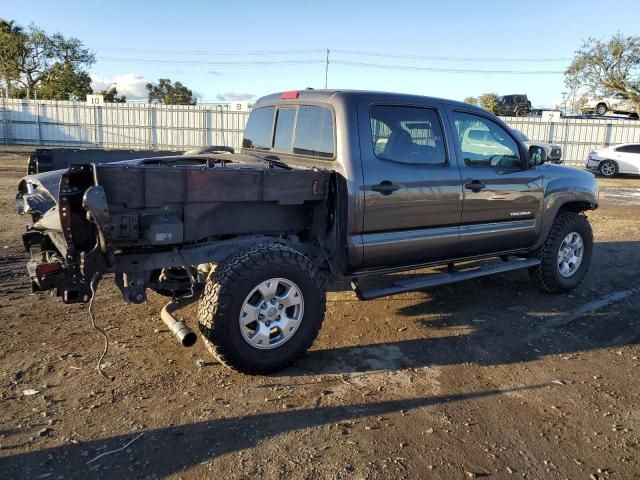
(385, 187)
(475, 186)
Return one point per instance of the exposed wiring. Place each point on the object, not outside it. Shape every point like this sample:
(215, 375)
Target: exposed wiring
(116, 450)
(92, 286)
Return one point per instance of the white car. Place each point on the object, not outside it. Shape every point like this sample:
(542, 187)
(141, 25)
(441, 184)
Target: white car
(610, 161)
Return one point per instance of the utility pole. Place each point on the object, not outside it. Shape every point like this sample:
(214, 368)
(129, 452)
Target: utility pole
(326, 70)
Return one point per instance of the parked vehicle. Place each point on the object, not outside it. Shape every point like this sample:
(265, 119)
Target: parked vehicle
(329, 184)
(616, 103)
(516, 105)
(611, 161)
(554, 152)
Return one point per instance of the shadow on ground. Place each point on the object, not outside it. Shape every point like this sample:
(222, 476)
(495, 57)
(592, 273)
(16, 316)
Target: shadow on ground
(164, 451)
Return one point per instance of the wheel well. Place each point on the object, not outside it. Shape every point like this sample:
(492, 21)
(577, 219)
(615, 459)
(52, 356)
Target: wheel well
(576, 207)
(602, 103)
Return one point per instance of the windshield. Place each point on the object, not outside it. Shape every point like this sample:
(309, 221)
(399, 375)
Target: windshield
(520, 135)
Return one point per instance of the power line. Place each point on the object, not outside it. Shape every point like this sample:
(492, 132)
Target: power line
(210, 64)
(449, 59)
(323, 50)
(210, 52)
(446, 70)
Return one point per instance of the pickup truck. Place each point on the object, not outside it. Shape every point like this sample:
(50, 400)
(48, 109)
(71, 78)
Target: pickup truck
(328, 184)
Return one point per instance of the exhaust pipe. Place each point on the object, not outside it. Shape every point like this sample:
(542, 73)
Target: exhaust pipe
(178, 328)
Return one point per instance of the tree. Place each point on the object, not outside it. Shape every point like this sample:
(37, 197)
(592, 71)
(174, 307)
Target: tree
(37, 56)
(170, 93)
(111, 96)
(488, 101)
(471, 100)
(10, 45)
(607, 66)
(64, 82)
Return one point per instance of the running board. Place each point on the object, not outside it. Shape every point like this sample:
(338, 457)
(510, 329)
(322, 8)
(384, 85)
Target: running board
(444, 278)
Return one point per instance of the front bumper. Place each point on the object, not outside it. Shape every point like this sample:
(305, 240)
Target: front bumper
(592, 164)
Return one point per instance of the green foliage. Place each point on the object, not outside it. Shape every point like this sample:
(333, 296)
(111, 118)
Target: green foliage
(10, 47)
(111, 96)
(488, 101)
(607, 66)
(64, 82)
(471, 100)
(170, 93)
(30, 58)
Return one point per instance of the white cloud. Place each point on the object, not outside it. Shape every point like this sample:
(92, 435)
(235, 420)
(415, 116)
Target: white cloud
(235, 96)
(131, 85)
(210, 71)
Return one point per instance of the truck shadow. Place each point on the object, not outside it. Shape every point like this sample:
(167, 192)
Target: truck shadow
(164, 451)
(498, 320)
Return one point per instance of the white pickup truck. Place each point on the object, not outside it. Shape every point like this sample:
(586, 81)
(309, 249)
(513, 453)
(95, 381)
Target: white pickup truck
(616, 103)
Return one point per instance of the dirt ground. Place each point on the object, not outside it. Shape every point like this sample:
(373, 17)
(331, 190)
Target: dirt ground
(488, 378)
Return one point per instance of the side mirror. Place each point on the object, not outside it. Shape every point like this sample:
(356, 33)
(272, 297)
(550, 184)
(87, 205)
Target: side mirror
(537, 155)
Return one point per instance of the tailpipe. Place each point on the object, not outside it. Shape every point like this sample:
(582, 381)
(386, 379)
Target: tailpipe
(178, 327)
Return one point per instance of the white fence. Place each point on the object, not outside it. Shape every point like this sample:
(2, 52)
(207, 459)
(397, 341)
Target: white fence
(578, 136)
(118, 125)
(146, 126)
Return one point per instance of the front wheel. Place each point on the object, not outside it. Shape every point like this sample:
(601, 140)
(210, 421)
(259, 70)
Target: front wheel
(565, 255)
(262, 308)
(608, 168)
(601, 109)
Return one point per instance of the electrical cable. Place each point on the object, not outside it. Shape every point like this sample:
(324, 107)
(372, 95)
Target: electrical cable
(92, 286)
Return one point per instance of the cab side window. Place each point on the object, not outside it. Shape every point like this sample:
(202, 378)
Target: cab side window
(484, 143)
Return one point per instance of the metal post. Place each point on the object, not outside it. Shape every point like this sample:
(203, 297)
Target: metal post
(326, 70)
(5, 123)
(38, 123)
(204, 127)
(95, 126)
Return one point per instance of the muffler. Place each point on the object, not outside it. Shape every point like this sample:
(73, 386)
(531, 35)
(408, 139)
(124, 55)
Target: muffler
(178, 327)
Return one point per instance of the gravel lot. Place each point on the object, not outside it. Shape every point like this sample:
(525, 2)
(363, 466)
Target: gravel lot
(488, 378)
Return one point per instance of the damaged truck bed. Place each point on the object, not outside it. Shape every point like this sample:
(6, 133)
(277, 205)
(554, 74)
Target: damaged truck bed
(146, 220)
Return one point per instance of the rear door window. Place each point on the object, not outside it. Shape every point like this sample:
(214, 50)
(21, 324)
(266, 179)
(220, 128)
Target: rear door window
(314, 132)
(259, 131)
(407, 135)
(285, 121)
(629, 149)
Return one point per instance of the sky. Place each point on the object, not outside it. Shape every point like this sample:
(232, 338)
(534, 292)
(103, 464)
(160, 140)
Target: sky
(241, 50)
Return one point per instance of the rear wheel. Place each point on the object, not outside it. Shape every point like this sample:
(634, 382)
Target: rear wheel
(521, 112)
(262, 308)
(566, 254)
(608, 168)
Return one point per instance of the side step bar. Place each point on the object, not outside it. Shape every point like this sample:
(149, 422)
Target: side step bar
(435, 279)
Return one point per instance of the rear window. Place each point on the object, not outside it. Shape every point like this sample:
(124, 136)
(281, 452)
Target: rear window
(285, 121)
(258, 133)
(314, 132)
(302, 130)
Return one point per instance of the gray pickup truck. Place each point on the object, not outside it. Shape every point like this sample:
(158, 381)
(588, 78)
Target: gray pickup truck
(328, 184)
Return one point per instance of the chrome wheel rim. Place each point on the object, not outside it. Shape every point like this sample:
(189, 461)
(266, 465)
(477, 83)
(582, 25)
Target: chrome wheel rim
(271, 313)
(608, 169)
(570, 254)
